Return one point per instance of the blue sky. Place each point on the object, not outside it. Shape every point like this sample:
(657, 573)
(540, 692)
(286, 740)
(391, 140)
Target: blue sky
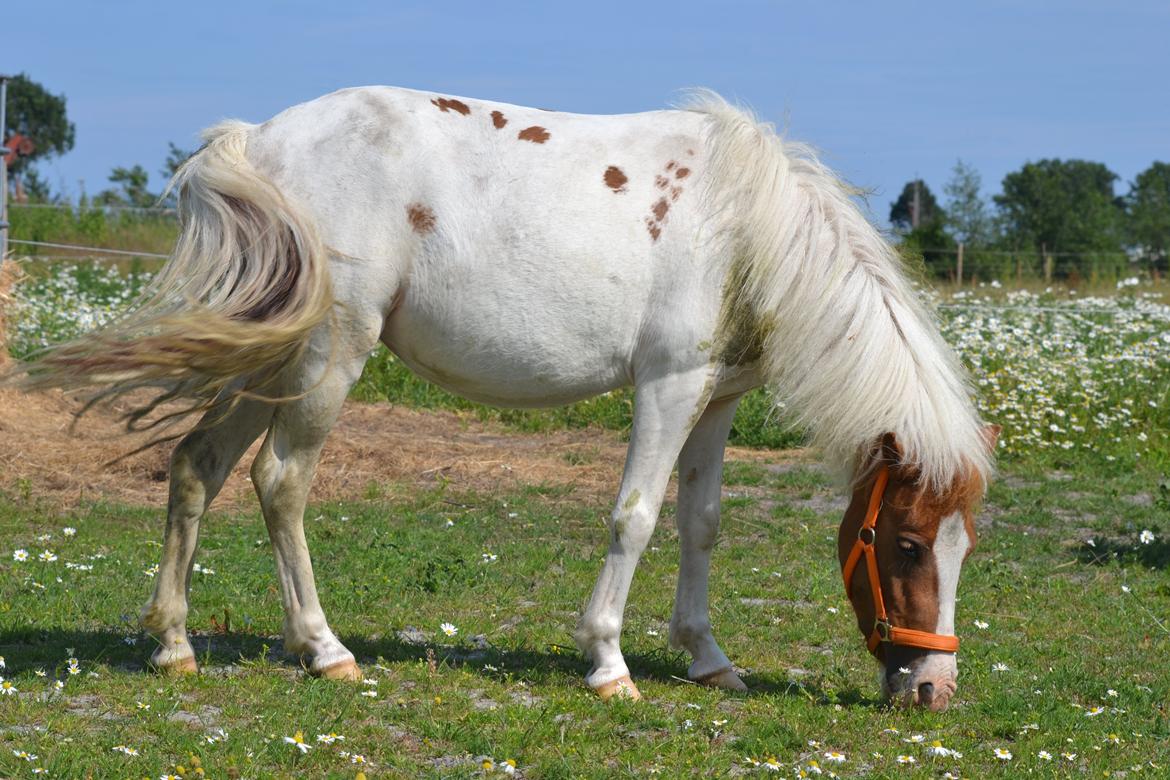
(885, 90)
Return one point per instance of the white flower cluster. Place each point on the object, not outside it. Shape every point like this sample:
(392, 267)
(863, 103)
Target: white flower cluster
(61, 301)
(1066, 373)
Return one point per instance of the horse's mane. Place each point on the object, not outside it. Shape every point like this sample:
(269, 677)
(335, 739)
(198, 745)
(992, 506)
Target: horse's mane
(845, 343)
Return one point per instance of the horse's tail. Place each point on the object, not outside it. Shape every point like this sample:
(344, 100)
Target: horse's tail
(245, 284)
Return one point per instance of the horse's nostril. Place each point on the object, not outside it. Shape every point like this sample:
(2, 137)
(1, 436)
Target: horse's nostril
(925, 692)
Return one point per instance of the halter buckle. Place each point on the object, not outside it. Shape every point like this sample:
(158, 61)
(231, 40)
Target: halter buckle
(867, 531)
(882, 629)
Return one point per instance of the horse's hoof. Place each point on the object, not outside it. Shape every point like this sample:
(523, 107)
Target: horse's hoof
(348, 671)
(621, 688)
(726, 679)
(179, 668)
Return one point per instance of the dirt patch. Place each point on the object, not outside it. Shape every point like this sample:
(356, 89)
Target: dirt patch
(371, 445)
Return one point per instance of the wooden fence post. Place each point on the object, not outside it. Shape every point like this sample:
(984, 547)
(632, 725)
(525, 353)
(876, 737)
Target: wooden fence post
(959, 265)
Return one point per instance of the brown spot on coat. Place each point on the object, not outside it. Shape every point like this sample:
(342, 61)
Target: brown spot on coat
(499, 120)
(671, 164)
(421, 218)
(660, 208)
(536, 134)
(682, 173)
(653, 227)
(661, 182)
(450, 104)
(615, 179)
(674, 193)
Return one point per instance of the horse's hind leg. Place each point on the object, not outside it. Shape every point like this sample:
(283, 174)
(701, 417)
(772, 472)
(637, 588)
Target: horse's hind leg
(700, 477)
(282, 473)
(199, 466)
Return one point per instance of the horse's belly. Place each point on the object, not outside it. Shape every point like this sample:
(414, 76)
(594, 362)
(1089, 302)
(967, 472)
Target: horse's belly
(513, 356)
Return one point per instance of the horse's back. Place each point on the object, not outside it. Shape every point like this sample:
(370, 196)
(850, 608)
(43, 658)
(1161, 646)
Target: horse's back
(532, 253)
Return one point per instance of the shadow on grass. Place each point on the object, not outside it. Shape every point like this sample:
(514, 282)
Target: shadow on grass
(1155, 555)
(218, 653)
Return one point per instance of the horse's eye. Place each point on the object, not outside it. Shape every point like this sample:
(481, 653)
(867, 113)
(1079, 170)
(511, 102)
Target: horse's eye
(908, 548)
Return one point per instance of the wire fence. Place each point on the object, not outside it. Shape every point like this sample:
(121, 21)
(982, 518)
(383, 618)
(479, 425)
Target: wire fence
(93, 250)
(107, 208)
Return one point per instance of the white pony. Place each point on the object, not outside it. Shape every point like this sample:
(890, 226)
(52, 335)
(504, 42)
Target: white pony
(522, 257)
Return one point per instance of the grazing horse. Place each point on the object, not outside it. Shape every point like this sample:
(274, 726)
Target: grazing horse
(527, 258)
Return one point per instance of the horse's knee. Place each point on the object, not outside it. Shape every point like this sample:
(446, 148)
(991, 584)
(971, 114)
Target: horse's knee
(632, 525)
(699, 527)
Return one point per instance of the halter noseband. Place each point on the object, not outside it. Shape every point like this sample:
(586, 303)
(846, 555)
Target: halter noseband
(882, 630)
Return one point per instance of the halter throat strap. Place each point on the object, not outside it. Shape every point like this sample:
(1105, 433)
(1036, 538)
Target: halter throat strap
(864, 547)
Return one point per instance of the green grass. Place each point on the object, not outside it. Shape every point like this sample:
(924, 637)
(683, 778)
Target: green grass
(392, 568)
(144, 231)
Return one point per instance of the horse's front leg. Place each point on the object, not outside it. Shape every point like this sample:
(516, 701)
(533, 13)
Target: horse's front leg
(700, 479)
(665, 409)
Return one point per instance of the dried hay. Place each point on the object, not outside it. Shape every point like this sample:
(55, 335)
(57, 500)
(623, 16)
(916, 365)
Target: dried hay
(374, 449)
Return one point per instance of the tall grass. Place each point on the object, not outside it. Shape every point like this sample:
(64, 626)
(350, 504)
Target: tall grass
(126, 230)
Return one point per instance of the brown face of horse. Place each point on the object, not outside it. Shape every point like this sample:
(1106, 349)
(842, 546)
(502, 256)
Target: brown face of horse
(921, 539)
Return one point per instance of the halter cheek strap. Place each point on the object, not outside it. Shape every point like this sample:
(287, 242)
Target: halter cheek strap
(882, 630)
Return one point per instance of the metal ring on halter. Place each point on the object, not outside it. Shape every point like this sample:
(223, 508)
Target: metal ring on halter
(882, 627)
(872, 535)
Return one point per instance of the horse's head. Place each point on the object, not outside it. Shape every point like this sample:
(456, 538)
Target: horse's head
(901, 546)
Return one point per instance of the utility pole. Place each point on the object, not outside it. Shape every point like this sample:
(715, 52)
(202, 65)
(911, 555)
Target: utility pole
(3, 169)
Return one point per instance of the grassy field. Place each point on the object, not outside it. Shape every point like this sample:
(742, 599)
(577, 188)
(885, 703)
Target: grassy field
(1064, 610)
(147, 230)
(1062, 615)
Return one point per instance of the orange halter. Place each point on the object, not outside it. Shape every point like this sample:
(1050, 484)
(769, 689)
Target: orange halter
(882, 630)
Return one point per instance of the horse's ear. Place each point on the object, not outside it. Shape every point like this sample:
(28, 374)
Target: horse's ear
(991, 436)
(891, 451)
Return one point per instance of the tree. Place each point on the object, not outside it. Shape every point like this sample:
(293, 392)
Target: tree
(966, 213)
(175, 159)
(132, 190)
(36, 189)
(927, 238)
(1149, 215)
(902, 210)
(1064, 206)
(40, 115)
